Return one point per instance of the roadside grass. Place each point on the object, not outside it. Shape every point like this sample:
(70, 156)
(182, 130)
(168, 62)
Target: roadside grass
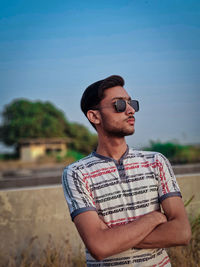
(51, 256)
(188, 256)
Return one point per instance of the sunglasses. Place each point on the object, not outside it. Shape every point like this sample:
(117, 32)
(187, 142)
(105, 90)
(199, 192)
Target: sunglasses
(120, 105)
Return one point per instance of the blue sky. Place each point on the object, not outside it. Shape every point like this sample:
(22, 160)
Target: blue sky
(52, 50)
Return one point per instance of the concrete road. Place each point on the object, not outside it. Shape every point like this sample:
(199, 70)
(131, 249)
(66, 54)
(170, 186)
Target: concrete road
(17, 178)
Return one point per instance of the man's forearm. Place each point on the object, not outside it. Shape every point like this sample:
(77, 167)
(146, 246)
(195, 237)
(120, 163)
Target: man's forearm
(123, 237)
(171, 233)
(103, 242)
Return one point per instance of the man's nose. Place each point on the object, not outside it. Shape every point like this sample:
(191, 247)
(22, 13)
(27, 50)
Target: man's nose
(129, 109)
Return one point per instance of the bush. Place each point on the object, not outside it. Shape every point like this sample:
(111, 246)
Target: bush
(70, 156)
(8, 156)
(75, 155)
(175, 152)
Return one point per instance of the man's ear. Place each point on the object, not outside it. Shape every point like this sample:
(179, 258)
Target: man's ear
(93, 116)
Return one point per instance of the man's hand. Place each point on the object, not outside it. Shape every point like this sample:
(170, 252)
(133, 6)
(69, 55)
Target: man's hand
(157, 215)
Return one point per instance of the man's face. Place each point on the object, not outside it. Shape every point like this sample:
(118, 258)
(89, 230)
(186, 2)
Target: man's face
(113, 123)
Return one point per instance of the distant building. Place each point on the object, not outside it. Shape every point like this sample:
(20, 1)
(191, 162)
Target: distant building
(32, 149)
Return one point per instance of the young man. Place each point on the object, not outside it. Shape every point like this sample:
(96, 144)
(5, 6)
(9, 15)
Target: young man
(114, 194)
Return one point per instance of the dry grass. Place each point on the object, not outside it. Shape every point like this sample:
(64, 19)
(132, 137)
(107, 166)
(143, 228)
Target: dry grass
(51, 256)
(62, 256)
(188, 256)
(54, 256)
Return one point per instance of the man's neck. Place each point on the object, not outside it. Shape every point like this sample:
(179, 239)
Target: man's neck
(112, 147)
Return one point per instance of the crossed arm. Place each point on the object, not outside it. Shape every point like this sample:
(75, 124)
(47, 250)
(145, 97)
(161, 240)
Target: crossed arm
(176, 231)
(152, 230)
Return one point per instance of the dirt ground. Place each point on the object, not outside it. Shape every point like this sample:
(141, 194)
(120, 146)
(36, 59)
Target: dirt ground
(18, 164)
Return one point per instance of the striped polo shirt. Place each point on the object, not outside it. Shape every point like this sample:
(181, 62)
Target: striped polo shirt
(121, 192)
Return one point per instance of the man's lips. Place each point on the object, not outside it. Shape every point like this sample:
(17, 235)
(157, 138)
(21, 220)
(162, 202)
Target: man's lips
(131, 120)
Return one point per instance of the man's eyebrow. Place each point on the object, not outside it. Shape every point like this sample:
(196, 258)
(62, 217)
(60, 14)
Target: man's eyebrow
(120, 97)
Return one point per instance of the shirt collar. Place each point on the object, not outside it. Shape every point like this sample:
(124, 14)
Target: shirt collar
(94, 153)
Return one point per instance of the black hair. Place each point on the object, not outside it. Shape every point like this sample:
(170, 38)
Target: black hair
(94, 93)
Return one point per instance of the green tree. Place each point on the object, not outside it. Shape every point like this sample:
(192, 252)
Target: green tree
(82, 139)
(168, 149)
(175, 152)
(25, 119)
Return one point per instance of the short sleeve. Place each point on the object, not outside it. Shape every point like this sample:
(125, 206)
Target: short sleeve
(77, 195)
(167, 184)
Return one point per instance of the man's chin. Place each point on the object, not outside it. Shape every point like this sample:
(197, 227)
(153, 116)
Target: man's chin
(125, 133)
(130, 132)
(121, 133)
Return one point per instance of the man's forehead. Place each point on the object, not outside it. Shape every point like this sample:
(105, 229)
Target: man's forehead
(116, 92)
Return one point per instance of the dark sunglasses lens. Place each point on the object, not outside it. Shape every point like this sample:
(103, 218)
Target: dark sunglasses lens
(135, 104)
(120, 105)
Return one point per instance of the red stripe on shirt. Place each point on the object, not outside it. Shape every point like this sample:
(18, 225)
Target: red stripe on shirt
(166, 259)
(103, 169)
(162, 263)
(89, 191)
(148, 164)
(163, 178)
(99, 170)
(130, 166)
(98, 174)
